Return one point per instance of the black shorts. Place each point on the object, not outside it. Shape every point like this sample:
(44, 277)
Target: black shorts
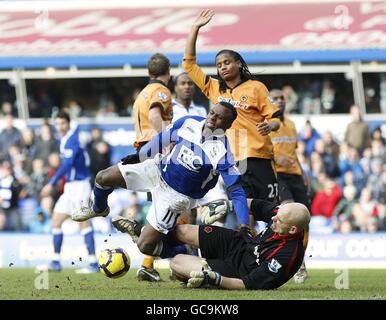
(222, 249)
(292, 187)
(259, 181)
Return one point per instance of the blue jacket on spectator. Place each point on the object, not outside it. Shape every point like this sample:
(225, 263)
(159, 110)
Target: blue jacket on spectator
(41, 222)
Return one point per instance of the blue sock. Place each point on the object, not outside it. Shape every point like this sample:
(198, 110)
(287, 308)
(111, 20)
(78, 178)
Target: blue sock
(58, 240)
(101, 195)
(169, 251)
(88, 234)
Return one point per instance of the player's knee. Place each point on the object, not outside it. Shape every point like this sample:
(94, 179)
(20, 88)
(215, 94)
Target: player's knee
(101, 177)
(145, 246)
(57, 221)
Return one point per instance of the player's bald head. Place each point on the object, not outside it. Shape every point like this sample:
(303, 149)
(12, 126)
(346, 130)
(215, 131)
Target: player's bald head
(295, 214)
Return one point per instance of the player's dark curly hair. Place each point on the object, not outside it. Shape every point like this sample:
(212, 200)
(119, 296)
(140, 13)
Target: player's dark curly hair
(245, 74)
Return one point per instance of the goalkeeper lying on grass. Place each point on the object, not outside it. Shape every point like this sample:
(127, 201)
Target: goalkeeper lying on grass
(235, 259)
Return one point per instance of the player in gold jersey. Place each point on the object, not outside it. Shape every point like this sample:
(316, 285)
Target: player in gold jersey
(292, 182)
(257, 116)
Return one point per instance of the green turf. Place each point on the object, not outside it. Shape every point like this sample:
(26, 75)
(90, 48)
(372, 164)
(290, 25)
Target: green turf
(20, 284)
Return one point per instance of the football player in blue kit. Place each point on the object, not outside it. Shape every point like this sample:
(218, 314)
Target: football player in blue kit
(198, 153)
(75, 167)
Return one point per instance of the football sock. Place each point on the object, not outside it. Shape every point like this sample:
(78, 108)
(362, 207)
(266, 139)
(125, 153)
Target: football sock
(101, 195)
(148, 262)
(88, 234)
(58, 239)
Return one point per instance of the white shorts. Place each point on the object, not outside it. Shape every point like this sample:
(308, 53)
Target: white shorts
(167, 205)
(75, 194)
(217, 193)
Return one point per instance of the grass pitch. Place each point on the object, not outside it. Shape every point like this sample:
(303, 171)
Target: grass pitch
(20, 284)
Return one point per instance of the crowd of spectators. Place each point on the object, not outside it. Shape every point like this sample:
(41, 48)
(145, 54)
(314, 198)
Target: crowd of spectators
(28, 159)
(307, 94)
(347, 179)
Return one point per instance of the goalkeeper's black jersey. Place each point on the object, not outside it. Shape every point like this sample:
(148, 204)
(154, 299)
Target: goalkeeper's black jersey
(270, 260)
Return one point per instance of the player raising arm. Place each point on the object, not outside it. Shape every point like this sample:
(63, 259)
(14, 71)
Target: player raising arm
(257, 116)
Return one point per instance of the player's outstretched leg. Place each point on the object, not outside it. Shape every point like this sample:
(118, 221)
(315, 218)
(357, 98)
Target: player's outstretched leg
(89, 211)
(105, 182)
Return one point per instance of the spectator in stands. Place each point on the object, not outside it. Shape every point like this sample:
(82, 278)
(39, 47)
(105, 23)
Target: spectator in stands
(74, 109)
(41, 222)
(378, 150)
(329, 162)
(377, 135)
(352, 164)
(330, 145)
(291, 99)
(9, 136)
(7, 108)
(28, 147)
(9, 195)
(376, 171)
(46, 143)
(326, 199)
(343, 212)
(317, 170)
(365, 211)
(39, 178)
(309, 135)
(381, 211)
(365, 162)
(327, 97)
(379, 190)
(357, 133)
(99, 152)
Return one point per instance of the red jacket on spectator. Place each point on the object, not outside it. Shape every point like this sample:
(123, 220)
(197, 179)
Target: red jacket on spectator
(326, 200)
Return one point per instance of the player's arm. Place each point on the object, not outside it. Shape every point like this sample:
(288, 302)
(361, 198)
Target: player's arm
(155, 116)
(189, 61)
(203, 18)
(232, 181)
(269, 111)
(159, 101)
(161, 141)
(65, 166)
(212, 279)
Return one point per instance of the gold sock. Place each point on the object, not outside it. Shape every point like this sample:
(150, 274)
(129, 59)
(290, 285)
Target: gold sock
(148, 262)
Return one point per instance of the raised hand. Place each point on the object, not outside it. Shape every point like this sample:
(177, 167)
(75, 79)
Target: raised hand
(203, 18)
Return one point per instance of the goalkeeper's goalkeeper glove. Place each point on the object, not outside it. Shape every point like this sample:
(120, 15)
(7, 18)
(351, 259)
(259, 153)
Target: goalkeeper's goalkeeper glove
(213, 211)
(204, 279)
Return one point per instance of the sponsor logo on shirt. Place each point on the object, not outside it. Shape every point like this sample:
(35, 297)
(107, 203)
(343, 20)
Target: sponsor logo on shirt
(236, 104)
(208, 229)
(274, 266)
(189, 160)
